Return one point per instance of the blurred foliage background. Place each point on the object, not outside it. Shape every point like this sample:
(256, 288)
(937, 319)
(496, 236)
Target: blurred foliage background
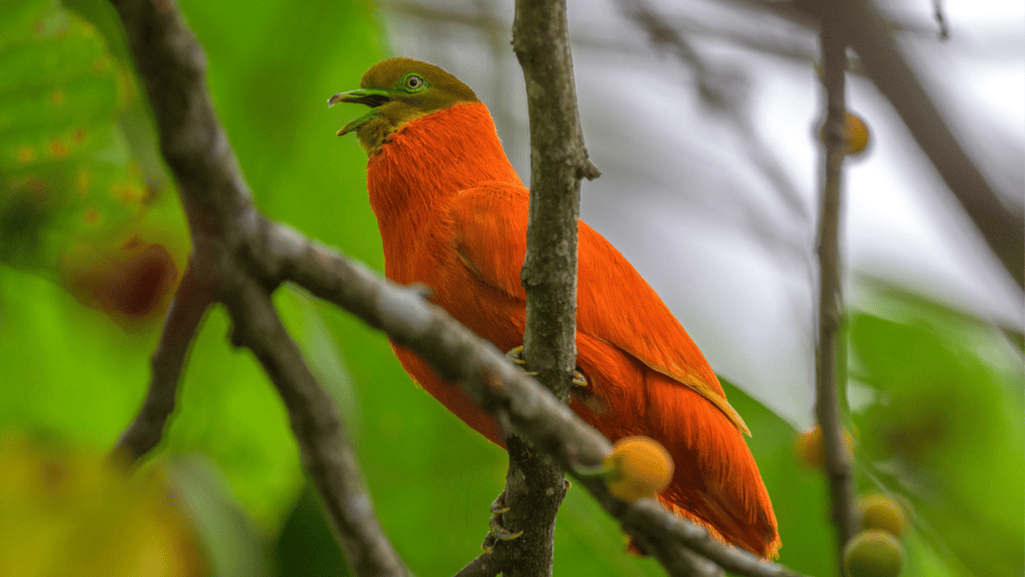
(92, 243)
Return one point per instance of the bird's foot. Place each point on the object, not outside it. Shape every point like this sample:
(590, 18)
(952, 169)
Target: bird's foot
(515, 356)
(496, 532)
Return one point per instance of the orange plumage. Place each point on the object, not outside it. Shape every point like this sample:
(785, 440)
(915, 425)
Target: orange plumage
(453, 215)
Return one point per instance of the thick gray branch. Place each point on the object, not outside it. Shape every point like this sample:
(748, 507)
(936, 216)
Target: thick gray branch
(534, 484)
(225, 229)
(499, 387)
(558, 160)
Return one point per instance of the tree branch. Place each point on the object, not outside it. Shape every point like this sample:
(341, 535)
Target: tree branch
(558, 162)
(1002, 228)
(224, 227)
(486, 564)
(477, 367)
(837, 460)
(193, 298)
(328, 457)
(535, 483)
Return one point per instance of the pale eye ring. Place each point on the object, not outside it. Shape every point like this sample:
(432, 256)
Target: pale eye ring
(415, 82)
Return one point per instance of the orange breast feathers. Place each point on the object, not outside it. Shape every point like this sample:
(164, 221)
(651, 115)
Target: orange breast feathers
(453, 217)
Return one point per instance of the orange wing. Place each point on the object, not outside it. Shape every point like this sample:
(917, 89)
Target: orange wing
(490, 224)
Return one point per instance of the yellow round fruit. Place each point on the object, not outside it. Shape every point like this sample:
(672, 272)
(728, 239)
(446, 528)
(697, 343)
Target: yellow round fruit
(810, 447)
(637, 467)
(883, 513)
(857, 135)
(873, 553)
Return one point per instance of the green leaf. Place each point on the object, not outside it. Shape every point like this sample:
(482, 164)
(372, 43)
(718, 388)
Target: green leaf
(945, 428)
(307, 546)
(233, 546)
(66, 174)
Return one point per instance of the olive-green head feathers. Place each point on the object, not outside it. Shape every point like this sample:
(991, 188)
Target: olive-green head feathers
(399, 90)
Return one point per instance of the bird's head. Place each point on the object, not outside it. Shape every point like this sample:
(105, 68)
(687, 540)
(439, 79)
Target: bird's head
(399, 90)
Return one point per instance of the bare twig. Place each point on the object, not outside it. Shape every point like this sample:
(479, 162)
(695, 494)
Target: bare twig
(941, 20)
(191, 301)
(1002, 228)
(837, 460)
(645, 514)
(670, 38)
(766, 39)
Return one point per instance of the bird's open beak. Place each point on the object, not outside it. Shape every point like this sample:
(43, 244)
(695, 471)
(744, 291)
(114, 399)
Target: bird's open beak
(371, 97)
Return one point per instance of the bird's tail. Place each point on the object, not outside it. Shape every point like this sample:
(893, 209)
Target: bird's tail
(716, 481)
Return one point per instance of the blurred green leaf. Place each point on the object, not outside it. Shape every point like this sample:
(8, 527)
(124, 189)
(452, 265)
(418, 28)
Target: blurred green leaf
(232, 545)
(68, 510)
(307, 546)
(945, 428)
(66, 176)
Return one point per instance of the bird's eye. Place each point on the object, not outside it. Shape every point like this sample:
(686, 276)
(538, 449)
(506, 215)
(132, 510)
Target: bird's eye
(415, 82)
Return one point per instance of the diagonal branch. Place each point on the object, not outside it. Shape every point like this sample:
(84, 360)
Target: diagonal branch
(193, 143)
(1001, 227)
(461, 357)
(485, 565)
(224, 228)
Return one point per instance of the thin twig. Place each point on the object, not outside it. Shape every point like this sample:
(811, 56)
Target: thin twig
(644, 514)
(941, 21)
(665, 36)
(191, 301)
(837, 460)
(1002, 227)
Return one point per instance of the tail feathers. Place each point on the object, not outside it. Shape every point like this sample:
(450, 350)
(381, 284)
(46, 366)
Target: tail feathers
(765, 546)
(716, 482)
